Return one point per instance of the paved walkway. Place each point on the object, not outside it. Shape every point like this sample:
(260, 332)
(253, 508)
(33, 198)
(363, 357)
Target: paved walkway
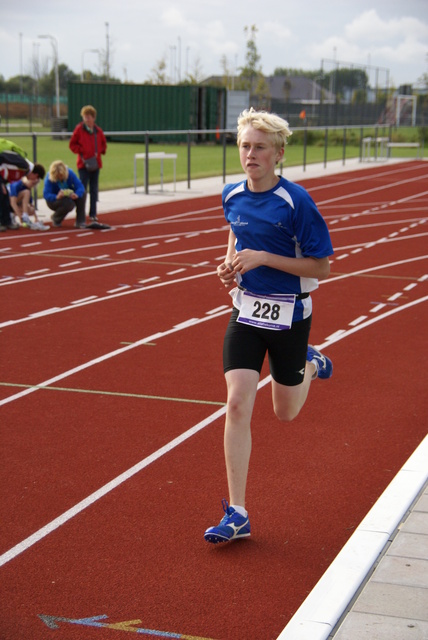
(122, 199)
(393, 604)
(377, 587)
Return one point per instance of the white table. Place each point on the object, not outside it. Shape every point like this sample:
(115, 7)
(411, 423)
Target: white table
(158, 155)
(379, 145)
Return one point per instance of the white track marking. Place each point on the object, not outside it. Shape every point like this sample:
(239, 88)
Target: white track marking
(119, 294)
(108, 356)
(54, 524)
(8, 323)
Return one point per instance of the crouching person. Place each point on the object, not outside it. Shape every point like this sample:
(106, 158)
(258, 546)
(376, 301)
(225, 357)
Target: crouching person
(63, 191)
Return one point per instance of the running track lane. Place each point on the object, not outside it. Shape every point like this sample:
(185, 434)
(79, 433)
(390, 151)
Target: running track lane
(137, 553)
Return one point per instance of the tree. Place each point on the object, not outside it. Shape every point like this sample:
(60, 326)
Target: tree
(159, 73)
(251, 69)
(251, 75)
(228, 80)
(284, 71)
(47, 81)
(196, 75)
(423, 80)
(13, 85)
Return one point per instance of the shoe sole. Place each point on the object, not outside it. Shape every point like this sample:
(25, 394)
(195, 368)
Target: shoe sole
(35, 227)
(216, 538)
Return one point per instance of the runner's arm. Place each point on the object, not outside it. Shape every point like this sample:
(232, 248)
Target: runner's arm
(248, 259)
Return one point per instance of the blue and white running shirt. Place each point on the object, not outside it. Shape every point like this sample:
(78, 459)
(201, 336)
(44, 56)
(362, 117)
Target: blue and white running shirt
(284, 221)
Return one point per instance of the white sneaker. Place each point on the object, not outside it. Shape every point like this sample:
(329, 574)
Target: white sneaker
(26, 220)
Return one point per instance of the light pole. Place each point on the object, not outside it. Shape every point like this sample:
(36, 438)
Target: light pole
(83, 55)
(54, 43)
(107, 53)
(314, 87)
(20, 62)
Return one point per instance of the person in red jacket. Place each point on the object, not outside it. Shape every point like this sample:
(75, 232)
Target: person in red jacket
(88, 142)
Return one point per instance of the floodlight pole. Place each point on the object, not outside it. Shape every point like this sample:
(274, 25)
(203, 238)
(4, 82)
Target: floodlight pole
(54, 43)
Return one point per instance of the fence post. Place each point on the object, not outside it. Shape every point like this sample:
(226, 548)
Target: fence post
(188, 159)
(325, 146)
(35, 160)
(224, 157)
(305, 141)
(344, 146)
(146, 165)
(376, 134)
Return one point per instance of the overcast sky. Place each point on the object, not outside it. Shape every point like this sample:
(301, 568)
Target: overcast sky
(382, 34)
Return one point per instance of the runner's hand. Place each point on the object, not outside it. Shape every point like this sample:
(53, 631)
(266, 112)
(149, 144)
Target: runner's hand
(246, 260)
(226, 274)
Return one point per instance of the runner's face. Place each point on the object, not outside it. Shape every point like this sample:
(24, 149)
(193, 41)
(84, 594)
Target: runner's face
(257, 154)
(33, 179)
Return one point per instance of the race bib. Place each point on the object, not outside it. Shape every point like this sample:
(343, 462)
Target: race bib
(268, 312)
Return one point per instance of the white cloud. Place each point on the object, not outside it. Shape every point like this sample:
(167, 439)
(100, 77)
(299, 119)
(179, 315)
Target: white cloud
(370, 27)
(389, 33)
(277, 31)
(173, 18)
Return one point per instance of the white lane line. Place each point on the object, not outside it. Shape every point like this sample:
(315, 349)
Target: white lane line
(7, 323)
(35, 273)
(378, 307)
(57, 522)
(330, 280)
(118, 263)
(54, 524)
(88, 299)
(122, 288)
(63, 518)
(395, 296)
(173, 273)
(107, 356)
(45, 312)
(357, 321)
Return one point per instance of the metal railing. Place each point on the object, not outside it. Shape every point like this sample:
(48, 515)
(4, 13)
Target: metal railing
(223, 137)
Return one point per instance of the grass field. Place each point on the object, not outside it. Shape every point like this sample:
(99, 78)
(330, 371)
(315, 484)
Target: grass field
(205, 159)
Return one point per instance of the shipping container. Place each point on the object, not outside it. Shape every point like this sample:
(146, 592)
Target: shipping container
(130, 107)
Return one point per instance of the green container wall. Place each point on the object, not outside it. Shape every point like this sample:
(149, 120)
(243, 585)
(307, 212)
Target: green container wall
(127, 107)
(215, 108)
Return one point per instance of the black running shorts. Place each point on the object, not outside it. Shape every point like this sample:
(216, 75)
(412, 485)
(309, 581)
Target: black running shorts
(245, 347)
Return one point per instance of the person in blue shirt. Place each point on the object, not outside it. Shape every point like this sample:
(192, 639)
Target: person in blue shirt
(63, 191)
(278, 249)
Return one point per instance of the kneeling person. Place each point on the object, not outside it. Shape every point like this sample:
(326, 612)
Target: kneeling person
(21, 199)
(63, 191)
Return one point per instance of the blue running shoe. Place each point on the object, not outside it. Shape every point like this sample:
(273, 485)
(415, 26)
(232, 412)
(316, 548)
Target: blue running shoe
(323, 364)
(231, 527)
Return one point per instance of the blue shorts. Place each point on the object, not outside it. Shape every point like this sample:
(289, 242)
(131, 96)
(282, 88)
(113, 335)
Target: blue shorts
(245, 347)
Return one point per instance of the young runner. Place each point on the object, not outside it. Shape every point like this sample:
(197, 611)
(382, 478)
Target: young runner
(21, 199)
(277, 251)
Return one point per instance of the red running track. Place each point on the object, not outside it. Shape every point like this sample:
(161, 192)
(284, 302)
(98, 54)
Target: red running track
(112, 401)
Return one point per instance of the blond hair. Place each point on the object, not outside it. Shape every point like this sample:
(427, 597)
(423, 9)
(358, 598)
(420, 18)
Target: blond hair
(58, 171)
(277, 128)
(88, 110)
